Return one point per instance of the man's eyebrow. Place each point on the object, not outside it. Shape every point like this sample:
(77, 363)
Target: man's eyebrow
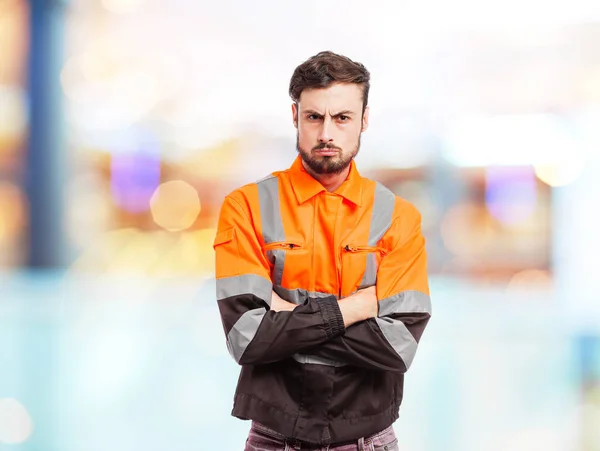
(344, 113)
(341, 113)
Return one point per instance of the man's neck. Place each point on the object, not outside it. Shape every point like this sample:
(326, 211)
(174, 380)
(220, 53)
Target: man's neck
(330, 182)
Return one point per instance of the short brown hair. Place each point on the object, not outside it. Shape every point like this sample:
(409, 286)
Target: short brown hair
(325, 69)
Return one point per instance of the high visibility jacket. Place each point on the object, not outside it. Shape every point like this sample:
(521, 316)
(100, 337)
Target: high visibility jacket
(303, 373)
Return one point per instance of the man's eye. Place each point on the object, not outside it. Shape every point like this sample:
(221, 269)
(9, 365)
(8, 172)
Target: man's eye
(344, 118)
(313, 117)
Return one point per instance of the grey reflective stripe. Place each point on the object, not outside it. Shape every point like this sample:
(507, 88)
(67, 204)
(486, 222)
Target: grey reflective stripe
(272, 224)
(243, 331)
(370, 276)
(383, 213)
(384, 203)
(298, 295)
(405, 302)
(395, 332)
(399, 337)
(316, 360)
(245, 284)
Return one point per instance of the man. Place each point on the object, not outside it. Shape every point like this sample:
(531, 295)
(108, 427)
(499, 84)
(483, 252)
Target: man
(321, 281)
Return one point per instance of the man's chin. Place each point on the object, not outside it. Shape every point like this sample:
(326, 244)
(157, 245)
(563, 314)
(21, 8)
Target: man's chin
(324, 168)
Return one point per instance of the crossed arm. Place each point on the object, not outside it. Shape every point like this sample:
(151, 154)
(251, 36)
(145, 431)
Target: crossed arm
(360, 306)
(377, 328)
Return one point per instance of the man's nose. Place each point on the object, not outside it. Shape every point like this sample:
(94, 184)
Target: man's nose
(325, 132)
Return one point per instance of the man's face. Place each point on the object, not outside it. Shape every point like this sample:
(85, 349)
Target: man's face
(329, 123)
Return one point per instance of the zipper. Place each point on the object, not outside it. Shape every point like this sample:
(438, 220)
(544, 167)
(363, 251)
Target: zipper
(363, 249)
(352, 249)
(281, 245)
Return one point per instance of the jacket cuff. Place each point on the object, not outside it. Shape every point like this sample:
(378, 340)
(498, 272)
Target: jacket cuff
(332, 316)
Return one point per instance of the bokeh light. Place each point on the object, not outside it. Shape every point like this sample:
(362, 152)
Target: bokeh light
(157, 253)
(511, 194)
(466, 230)
(13, 114)
(16, 425)
(530, 279)
(175, 205)
(557, 175)
(12, 210)
(134, 178)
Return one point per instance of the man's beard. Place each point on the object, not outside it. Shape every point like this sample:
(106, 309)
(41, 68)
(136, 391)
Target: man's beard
(334, 164)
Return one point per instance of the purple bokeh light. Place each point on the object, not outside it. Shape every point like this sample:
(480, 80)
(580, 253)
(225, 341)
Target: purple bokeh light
(511, 193)
(134, 177)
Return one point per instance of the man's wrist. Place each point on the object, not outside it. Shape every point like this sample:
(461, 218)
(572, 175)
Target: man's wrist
(350, 312)
(290, 306)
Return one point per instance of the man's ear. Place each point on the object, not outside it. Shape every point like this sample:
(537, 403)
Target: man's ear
(295, 114)
(365, 119)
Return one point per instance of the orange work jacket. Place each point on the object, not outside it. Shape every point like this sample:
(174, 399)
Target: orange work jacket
(303, 373)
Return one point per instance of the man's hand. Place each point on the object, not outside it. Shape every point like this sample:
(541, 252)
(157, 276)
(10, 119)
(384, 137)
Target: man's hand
(360, 306)
(279, 305)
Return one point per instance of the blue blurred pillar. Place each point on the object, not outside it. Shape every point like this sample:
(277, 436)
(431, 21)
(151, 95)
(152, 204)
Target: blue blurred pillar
(46, 156)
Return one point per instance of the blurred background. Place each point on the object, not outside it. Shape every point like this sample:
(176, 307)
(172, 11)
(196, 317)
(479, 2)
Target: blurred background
(123, 124)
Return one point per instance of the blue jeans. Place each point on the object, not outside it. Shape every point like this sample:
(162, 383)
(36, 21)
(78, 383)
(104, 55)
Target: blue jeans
(262, 438)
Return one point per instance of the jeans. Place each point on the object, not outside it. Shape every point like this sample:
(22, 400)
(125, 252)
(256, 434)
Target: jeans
(262, 438)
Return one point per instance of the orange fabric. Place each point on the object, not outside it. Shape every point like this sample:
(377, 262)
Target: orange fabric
(326, 237)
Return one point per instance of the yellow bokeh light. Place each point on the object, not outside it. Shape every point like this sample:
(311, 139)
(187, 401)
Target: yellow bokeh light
(466, 230)
(155, 253)
(562, 174)
(175, 205)
(530, 279)
(12, 211)
(13, 117)
(15, 423)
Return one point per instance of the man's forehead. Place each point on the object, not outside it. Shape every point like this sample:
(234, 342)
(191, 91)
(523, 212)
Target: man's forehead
(338, 96)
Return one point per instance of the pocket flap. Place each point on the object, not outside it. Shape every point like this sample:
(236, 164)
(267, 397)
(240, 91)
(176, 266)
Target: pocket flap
(224, 236)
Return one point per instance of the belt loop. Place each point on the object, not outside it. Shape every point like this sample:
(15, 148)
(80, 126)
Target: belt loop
(361, 444)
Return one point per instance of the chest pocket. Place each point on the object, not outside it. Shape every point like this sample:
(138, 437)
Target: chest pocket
(276, 254)
(359, 265)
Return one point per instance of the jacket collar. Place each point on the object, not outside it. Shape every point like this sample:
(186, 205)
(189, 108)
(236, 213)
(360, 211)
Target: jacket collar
(306, 187)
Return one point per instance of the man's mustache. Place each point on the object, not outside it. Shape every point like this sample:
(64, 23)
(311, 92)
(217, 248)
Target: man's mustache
(325, 146)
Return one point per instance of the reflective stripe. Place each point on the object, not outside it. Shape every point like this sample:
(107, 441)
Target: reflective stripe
(299, 295)
(405, 302)
(399, 337)
(316, 360)
(243, 331)
(272, 223)
(384, 203)
(370, 276)
(245, 284)
(394, 330)
(383, 213)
